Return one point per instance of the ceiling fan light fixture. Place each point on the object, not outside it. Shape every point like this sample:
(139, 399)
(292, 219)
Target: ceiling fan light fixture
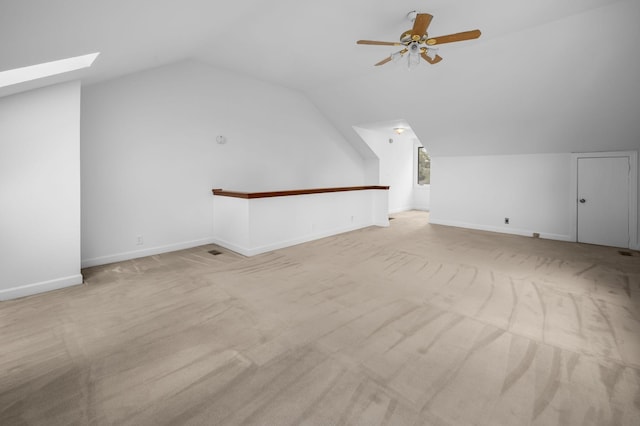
(413, 60)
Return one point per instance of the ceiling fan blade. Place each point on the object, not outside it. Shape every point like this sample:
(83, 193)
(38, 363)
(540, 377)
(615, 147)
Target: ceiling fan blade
(420, 25)
(379, 43)
(435, 60)
(466, 35)
(393, 56)
(384, 61)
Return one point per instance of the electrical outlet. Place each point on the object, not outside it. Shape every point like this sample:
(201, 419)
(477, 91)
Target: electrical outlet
(506, 220)
(139, 240)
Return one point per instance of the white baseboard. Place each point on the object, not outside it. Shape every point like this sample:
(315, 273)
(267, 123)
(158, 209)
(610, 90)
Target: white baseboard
(252, 251)
(401, 209)
(41, 287)
(231, 246)
(501, 230)
(119, 257)
(407, 209)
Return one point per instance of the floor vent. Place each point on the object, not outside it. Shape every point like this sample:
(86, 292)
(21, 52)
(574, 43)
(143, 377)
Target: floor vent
(625, 253)
(215, 252)
(391, 218)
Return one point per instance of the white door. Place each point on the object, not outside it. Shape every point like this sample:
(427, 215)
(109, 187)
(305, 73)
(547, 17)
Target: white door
(603, 201)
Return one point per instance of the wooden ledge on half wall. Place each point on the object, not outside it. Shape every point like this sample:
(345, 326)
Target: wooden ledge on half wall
(250, 195)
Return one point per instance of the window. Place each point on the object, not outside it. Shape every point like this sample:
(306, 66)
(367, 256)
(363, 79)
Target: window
(424, 167)
(33, 72)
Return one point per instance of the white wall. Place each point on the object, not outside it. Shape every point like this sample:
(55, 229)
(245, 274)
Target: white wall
(396, 165)
(478, 192)
(422, 197)
(253, 226)
(150, 157)
(40, 190)
(510, 95)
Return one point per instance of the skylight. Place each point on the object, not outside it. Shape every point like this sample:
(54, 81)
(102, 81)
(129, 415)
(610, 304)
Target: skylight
(34, 72)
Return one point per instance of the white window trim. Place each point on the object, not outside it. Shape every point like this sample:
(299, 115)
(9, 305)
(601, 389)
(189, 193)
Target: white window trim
(416, 185)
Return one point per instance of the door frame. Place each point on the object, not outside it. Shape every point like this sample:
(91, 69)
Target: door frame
(633, 191)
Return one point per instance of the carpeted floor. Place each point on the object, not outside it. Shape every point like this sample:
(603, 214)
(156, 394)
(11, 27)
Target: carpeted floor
(411, 324)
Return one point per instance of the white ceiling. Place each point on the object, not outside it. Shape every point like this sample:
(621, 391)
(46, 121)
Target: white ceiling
(387, 128)
(298, 44)
(545, 76)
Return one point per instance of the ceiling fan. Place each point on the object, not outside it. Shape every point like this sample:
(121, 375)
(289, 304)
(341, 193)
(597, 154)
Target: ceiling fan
(417, 43)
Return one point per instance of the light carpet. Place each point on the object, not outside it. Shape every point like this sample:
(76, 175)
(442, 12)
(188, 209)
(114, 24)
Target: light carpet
(415, 324)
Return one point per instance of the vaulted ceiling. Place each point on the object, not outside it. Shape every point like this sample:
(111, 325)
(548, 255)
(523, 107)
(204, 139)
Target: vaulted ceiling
(294, 43)
(563, 85)
(310, 46)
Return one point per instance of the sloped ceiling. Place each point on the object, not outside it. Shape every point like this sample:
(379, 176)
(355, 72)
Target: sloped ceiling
(290, 42)
(533, 64)
(568, 85)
